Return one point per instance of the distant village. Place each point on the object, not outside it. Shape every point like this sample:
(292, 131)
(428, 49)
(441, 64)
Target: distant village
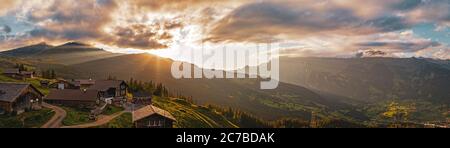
(95, 95)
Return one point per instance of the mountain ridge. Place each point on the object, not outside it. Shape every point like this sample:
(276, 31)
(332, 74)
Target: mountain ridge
(371, 78)
(286, 100)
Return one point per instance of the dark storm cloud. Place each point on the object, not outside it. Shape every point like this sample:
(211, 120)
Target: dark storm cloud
(139, 36)
(435, 11)
(172, 5)
(399, 46)
(407, 4)
(342, 25)
(372, 44)
(168, 25)
(388, 23)
(372, 53)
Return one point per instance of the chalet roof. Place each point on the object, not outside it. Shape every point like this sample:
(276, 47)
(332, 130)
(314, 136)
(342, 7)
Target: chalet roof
(44, 81)
(63, 81)
(11, 71)
(26, 72)
(83, 82)
(72, 95)
(103, 85)
(142, 94)
(9, 92)
(150, 110)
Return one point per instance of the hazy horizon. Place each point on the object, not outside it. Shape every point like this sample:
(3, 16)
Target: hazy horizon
(308, 28)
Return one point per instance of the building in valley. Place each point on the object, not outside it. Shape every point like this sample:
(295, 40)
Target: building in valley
(17, 98)
(152, 117)
(142, 98)
(27, 74)
(63, 84)
(111, 88)
(16, 73)
(74, 97)
(83, 83)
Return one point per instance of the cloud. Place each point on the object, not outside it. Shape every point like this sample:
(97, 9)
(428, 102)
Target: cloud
(407, 4)
(408, 46)
(323, 27)
(71, 20)
(172, 5)
(287, 19)
(373, 53)
(431, 11)
(139, 36)
(5, 29)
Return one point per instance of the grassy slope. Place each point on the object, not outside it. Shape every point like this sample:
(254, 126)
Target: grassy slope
(192, 116)
(187, 115)
(34, 81)
(417, 111)
(123, 121)
(31, 119)
(75, 116)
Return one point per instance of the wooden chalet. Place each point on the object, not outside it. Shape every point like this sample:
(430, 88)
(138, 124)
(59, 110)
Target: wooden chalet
(17, 98)
(142, 98)
(27, 74)
(15, 73)
(44, 83)
(74, 97)
(152, 117)
(63, 84)
(83, 83)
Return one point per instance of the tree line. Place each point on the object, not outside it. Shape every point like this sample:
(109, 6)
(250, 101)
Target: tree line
(48, 74)
(157, 89)
(241, 118)
(246, 120)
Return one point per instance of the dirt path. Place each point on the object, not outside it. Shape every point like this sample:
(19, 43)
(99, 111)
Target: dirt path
(101, 121)
(55, 121)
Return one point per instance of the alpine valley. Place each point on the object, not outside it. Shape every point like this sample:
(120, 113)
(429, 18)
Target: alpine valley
(313, 92)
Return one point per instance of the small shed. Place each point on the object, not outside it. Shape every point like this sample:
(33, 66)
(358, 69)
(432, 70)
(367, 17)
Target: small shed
(152, 117)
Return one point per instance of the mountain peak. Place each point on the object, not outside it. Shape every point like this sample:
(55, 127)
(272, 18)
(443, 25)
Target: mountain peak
(43, 44)
(75, 44)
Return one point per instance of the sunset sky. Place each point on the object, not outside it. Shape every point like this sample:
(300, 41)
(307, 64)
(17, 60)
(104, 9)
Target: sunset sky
(320, 28)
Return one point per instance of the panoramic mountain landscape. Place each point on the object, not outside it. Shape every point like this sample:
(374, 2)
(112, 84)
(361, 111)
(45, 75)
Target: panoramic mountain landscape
(349, 89)
(286, 101)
